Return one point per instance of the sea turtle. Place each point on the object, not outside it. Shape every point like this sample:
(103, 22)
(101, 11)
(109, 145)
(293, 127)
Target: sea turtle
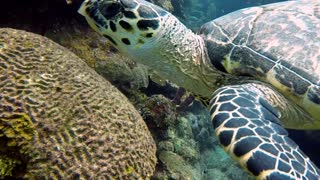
(262, 65)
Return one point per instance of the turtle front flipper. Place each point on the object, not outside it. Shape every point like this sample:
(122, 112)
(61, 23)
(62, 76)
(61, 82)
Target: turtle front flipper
(248, 125)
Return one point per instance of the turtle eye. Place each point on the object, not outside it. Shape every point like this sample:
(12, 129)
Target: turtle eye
(110, 10)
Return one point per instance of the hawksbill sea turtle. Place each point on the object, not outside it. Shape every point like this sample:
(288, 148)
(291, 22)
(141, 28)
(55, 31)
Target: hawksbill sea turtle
(262, 65)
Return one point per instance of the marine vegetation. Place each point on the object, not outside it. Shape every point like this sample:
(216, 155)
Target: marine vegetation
(16, 133)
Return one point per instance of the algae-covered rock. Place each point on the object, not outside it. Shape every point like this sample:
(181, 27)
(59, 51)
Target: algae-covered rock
(18, 131)
(187, 149)
(160, 111)
(183, 128)
(165, 146)
(60, 120)
(191, 143)
(123, 72)
(96, 51)
(80, 40)
(216, 164)
(176, 166)
(8, 166)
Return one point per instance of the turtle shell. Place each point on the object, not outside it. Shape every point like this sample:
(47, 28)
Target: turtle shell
(277, 43)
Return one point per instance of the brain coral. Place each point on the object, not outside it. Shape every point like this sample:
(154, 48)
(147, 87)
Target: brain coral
(60, 120)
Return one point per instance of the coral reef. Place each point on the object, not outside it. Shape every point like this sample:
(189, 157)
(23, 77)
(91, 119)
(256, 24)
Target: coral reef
(160, 110)
(186, 148)
(85, 43)
(16, 133)
(17, 130)
(8, 165)
(122, 72)
(184, 136)
(98, 54)
(62, 119)
(216, 164)
(176, 166)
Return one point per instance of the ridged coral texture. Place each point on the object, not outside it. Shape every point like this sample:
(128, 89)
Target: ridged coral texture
(84, 127)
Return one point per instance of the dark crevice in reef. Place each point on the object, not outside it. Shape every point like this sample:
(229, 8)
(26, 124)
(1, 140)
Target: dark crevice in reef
(38, 15)
(12, 156)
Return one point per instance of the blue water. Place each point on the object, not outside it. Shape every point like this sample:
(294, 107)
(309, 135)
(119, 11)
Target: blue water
(226, 6)
(194, 13)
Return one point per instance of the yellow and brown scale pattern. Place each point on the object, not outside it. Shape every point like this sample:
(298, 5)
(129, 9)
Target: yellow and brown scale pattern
(81, 126)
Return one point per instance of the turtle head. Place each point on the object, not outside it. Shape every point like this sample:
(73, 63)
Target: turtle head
(130, 25)
(154, 37)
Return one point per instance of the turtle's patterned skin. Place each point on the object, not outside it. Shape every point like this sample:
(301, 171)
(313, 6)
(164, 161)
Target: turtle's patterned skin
(277, 43)
(249, 129)
(262, 64)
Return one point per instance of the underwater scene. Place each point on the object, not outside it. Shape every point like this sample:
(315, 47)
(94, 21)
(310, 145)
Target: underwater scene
(160, 89)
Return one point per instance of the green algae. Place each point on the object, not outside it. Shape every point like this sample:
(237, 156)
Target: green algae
(18, 129)
(7, 165)
(129, 170)
(16, 134)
